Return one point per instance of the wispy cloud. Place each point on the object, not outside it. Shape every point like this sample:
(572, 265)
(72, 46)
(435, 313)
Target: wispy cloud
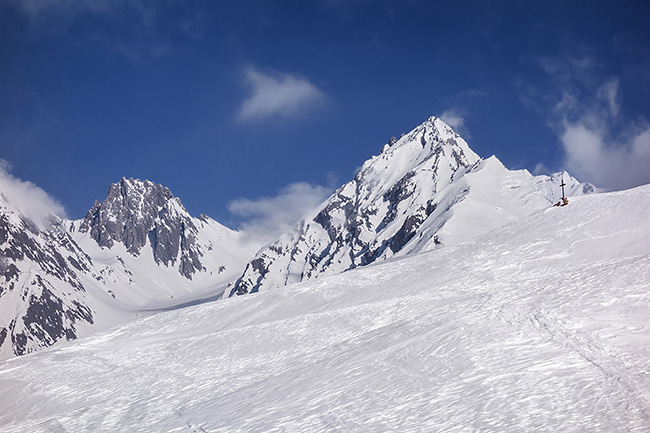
(584, 109)
(277, 96)
(138, 29)
(268, 217)
(570, 68)
(42, 9)
(540, 168)
(456, 119)
(609, 93)
(459, 110)
(28, 199)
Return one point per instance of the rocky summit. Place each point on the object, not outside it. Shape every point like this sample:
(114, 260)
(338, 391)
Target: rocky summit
(136, 252)
(424, 189)
(135, 212)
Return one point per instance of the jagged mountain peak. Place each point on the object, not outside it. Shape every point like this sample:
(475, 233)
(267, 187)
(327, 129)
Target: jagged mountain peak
(424, 189)
(136, 187)
(432, 123)
(140, 248)
(371, 217)
(136, 196)
(431, 138)
(427, 157)
(137, 249)
(137, 213)
(130, 212)
(145, 216)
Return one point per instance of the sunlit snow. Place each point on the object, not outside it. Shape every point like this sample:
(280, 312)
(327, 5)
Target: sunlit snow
(542, 325)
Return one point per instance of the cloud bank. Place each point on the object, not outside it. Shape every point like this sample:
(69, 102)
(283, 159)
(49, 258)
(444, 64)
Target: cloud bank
(600, 145)
(280, 96)
(591, 154)
(268, 217)
(28, 199)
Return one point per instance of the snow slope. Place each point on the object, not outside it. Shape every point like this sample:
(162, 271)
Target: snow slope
(542, 325)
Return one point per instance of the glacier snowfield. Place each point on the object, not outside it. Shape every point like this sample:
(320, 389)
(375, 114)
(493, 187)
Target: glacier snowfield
(540, 326)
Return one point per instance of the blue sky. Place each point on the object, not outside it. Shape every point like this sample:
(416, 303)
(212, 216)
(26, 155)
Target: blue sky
(251, 111)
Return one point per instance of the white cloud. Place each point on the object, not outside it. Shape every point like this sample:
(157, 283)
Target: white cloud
(268, 217)
(600, 145)
(591, 155)
(540, 168)
(566, 103)
(608, 92)
(28, 199)
(282, 96)
(567, 68)
(456, 120)
(593, 152)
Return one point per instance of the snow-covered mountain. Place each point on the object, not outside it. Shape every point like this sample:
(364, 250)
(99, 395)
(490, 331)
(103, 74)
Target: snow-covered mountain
(42, 298)
(424, 190)
(138, 250)
(542, 325)
(153, 251)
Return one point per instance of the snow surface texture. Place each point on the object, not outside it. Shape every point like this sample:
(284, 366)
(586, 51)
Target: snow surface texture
(542, 325)
(426, 189)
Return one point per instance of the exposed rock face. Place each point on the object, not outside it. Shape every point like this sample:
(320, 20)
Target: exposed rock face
(127, 214)
(39, 284)
(374, 216)
(138, 249)
(136, 211)
(423, 190)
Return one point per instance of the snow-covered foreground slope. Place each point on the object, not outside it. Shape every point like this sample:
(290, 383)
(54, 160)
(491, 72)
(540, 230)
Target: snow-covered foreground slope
(542, 325)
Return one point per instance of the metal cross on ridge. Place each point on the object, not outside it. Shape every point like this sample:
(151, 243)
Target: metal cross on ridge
(563, 201)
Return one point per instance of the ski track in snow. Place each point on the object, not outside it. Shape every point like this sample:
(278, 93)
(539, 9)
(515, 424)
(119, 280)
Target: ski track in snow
(543, 325)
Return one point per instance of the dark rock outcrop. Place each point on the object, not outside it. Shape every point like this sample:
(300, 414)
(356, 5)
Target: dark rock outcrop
(374, 216)
(136, 211)
(38, 273)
